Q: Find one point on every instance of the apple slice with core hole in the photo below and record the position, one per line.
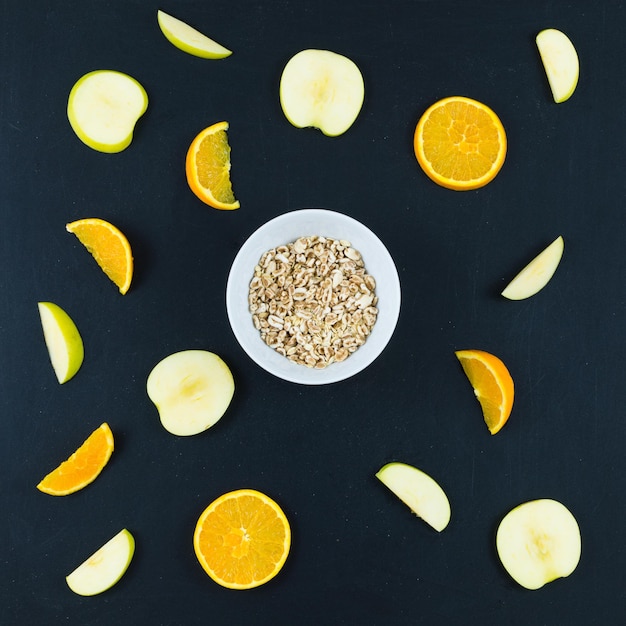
(104, 567)
(191, 390)
(63, 341)
(560, 61)
(189, 40)
(536, 275)
(421, 493)
(322, 89)
(538, 541)
(103, 109)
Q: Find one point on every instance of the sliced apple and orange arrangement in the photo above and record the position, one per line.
(459, 143)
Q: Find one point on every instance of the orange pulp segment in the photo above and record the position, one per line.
(83, 466)
(242, 539)
(492, 385)
(460, 143)
(108, 246)
(208, 167)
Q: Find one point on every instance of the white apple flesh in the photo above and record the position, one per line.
(188, 39)
(421, 493)
(536, 275)
(322, 89)
(103, 109)
(104, 567)
(191, 389)
(560, 61)
(63, 341)
(538, 542)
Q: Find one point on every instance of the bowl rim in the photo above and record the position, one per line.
(241, 272)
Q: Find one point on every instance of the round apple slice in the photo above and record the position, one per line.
(188, 39)
(322, 89)
(104, 567)
(538, 542)
(103, 108)
(421, 493)
(536, 275)
(191, 389)
(560, 61)
(63, 341)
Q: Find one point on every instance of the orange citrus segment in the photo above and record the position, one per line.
(242, 539)
(460, 143)
(83, 466)
(108, 246)
(492, 385)
(208, 167)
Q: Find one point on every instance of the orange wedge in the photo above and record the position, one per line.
(460, 143)
(83, 466)
(242, 539)
(492, 385)
(208, 168)
(108, 246)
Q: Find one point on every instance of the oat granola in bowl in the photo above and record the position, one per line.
(313, 296)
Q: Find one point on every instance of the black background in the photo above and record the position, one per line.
(358, 555)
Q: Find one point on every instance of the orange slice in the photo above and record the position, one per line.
(108, 246)
(242, 539)
(460, 143)
(492, 385)
(83, 466)
(208, 167)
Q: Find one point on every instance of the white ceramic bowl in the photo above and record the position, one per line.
(285, 229)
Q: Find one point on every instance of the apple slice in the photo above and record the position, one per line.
(560, 61)
(104, 567)
(538, 541)
(189, 40)
(421, 493)
(536, 275)
(64, 343)
(103, 109)
(322, 89)
(191, 390)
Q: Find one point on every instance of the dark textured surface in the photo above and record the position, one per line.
(358, 556)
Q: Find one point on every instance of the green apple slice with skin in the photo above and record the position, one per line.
(104, 567)
(560, 61)
(103, 109)
(322, 89)
(536, 275)
(421, 493)
(538, 542)
(189, 40)
(63, 341)
(191, 389)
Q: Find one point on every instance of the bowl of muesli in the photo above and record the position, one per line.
(313, 296)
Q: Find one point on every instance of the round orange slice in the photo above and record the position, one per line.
(492, 385)
(242, 539)
(460, 143)
(83, 467)
(208, 167)
(108, 246)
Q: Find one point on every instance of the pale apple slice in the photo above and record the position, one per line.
(103, 109)
(538, 542)
(322, 89)
(536, 275)
(421, 493)
(189, 40)
(63, 341)
(191, 390)
(104, 567)
(560, 61)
